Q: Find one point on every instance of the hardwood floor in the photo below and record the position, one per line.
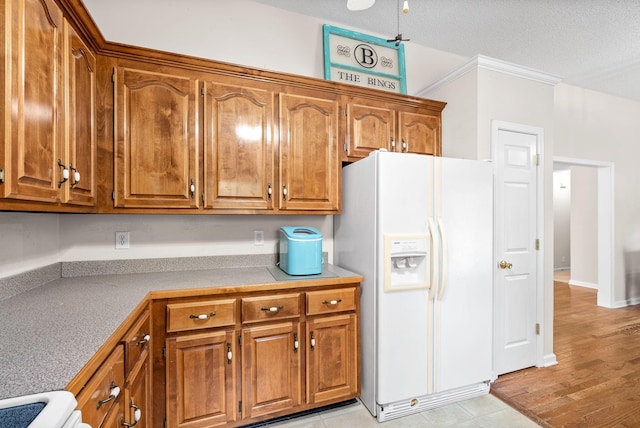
(596, 382)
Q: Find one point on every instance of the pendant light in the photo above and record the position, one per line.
(359, 4)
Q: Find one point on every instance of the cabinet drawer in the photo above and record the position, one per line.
(197, 315)
(136, 339)
(326, 301)
(101, 393)
(282, 306)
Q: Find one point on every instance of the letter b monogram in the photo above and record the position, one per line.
(366, 56)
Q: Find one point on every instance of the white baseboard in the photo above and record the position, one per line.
(583, 284)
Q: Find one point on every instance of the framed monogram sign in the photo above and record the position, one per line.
(363, 60)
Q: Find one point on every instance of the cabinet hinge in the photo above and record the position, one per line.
(164, 352)
(537, 160)
(1, 175)
(345, 148)
(113, 196)
(113, 77)
(537, 245)
(538, 329)
(239, 340)
(202, 90)
(240, 407)
(165, 422)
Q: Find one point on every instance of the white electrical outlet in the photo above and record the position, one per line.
(258, 237)
(122, 240)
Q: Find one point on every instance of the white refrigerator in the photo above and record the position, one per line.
(420, 231)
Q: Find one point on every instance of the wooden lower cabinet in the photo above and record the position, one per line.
(332, 358)
(201, 379)
(272, 370)
(241, 358)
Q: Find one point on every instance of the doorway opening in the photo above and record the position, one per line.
(603, 182)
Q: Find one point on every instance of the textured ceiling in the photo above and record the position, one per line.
(593, 44)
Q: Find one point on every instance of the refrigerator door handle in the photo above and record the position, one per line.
(435, 274)
(443, 264)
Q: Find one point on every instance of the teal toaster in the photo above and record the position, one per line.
(300, 250)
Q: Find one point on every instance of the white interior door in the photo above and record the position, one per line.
(516, 148)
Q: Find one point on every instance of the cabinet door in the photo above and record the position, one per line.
(238, 153)
(114, 418)
(33, 101)
(419, 133)
(156, 149)
(102, 393)
(137, 396)
(332, 358)
(309, 161)
(371, 126)
(271, 375)
(79, 120)
(201, 379)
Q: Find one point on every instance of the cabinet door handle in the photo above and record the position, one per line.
(202, 316)
(272, 308)
(405, 146)
(192, 188)
(393, 145)
(284, 191)
(137, 415)
(331, 302)
(313, 340)
(145, 339)
(296, 344)
(75, 176)
(269, 191)
(65, 173)
(113, 394)
(229, 353)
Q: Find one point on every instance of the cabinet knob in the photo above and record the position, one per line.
(272, 308)
(269, 191)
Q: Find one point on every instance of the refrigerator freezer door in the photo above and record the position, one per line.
(403, 319)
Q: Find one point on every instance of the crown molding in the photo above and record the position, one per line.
(481, 61)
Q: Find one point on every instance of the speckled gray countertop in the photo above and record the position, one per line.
(51, 331)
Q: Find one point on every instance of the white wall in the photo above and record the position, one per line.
(561, 219)
(28, 241)
(92, 237)
(596, 126)
(584, 226)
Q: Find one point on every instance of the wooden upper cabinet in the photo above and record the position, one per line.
(371, 126)
(238, 146)
(309, 162)
(419, 133)
(374, 124)
(156, 139)
(80, 72)
(33, 100)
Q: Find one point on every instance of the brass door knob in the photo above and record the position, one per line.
(505, 265)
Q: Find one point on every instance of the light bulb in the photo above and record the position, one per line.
(405, 6)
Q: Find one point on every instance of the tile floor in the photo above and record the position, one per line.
(486, 411)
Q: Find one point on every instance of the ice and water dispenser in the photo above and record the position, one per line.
(407, 262)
